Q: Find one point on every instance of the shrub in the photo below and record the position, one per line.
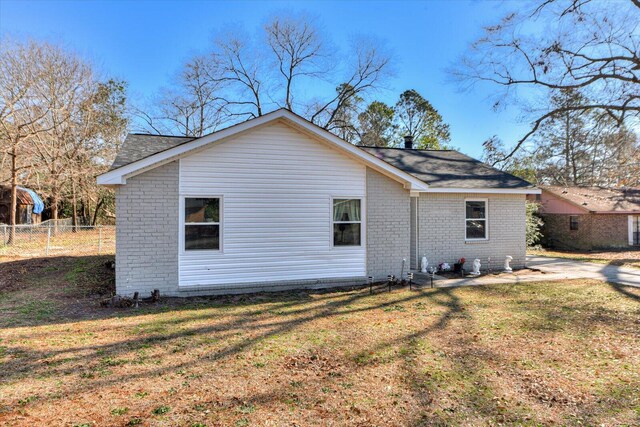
(534, 225)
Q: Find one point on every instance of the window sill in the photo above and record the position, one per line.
(475, 241)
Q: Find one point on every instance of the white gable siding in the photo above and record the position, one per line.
(276, 185)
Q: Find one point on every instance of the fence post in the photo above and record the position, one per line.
(46, 251)
(99, 239)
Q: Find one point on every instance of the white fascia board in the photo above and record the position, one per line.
(484, 190)
(119, 176)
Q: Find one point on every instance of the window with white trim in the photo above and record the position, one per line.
(347, 222)
(201, 223)
(574, 222)
(476, 220)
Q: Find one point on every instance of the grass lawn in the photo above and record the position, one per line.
(620, 258)
(531, 354)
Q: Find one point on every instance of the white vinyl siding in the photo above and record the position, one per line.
(277, 185)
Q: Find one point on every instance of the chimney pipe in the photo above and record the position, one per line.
(408, 142)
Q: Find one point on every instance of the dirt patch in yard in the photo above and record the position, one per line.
(562, 353)
(47, 289)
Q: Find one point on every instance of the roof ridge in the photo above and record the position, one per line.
(161, 135)
(407, 149)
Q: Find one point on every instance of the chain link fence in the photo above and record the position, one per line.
(57, 238)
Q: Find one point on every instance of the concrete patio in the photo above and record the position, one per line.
(552, 269)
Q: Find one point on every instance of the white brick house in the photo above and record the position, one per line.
(277, 202)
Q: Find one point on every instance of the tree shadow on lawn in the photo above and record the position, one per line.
(631, 292)
(467, 362)
(241, 323)
(32, 363)
(58, 290)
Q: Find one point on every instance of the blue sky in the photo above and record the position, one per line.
(145, 42)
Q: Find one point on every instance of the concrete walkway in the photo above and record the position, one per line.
(571, 269)
(554, 269)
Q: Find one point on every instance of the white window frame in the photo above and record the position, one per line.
(577, 217)
(632, 219)
(485, 219)
(361, 222)
(182, 223)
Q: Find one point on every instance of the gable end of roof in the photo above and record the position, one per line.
(118, 175)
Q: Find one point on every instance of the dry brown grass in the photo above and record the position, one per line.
(33, 242)
(534, 354)
(619, 258)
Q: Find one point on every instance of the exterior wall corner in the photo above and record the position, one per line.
(147, 232)
(388, 226)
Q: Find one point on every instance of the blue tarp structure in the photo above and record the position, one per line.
(38, 204)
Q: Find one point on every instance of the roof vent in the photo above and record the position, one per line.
(408, 142)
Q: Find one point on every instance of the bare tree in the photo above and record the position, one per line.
(195, 106)
(241, 68)
(69, 86)
(21, 110)
(99, 130)
(366, 72)
(575, 148)
(298, 51)
(238, 68)
(561, 45)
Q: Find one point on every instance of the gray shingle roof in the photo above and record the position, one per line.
(438, 168)
(138, 146)
(447, 169)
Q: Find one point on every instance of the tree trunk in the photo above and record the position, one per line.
(95, 213)
(74, 207)
(14, 196)
(54, 211)
(84, 211)
(567, 154)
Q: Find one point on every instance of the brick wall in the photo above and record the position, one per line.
(414, 263)
(442, 229)
(595, 231)
(147, 232)
(387, 226)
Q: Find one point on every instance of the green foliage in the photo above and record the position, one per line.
(343, 123)
(534, 224)
(161, 410)
(418, 118)
(522, 165)
(381, 125)
(376, 125)
(119, 411)
(110, 103)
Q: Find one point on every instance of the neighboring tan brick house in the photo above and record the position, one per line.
(586, 218)
(277, 202)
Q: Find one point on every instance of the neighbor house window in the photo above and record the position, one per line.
(574, 222)
(347, 222)
(476, 220)
(201, 223)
